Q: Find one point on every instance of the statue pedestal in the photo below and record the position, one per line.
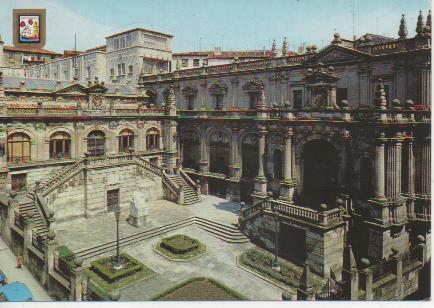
(138, 210)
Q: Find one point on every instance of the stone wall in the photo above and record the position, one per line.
(380, 242)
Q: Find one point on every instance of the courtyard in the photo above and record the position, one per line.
(218, 263)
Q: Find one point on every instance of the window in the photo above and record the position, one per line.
(112, 200)
(184, 63)
(18, 148)
(123, 68)
(152, 139)
(122, 42)
(218, 101)
(19, 182)
(341, 94)
(119, 69)
(88, 71)
(112, 72)
(96, 143)
(190, 101)
(60, 145)
(298, 99)
(116, 43)
(205, 62)
(126, 140)
(130, 70)
(253, 100)
(195, 62)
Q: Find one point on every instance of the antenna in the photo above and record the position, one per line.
(353, 21)
(75, 56)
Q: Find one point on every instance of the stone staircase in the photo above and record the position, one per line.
(25, 205)
(190, 196)
(227, 233)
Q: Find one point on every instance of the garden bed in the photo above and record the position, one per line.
(260, 262)
(199, 289)
(180, 248)
(102, 274)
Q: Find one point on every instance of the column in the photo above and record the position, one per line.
(287, 159)
(426, 86)
(235, 154)
(426, 166)
(343, 171)
(262, 134)
(379, 169)
(203, 162)
(410, 168)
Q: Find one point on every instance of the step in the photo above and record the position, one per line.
(234, 235)
(221, 225)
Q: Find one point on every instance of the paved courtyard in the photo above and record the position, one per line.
(8, 263)
(218, 263)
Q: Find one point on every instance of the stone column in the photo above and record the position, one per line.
(203, 162)
(50, 248)
(379, 168)
(367, 275)
(410, 178)
(27, 237)
(426, 86)
(343, 170)
(288, 184)
(425, 166)
(394, 163)
(397, 260)
(261, 181)
(350, 275)
(76, 281)
(235, 154)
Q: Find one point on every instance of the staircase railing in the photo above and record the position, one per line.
(186, 179)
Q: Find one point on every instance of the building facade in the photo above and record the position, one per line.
(123, 59)
(345, 127)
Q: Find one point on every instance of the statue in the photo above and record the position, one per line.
(138, 209)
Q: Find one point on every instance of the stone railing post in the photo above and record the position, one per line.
(180, 199)
(422, 249)
(366, 276)
(198, 190)
(397, 270)
(27, 236)
(12, 208)
(49, 259)
(76, 281)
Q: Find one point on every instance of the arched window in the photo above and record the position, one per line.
(152, 139)
(219, 147)
(60, 145)
(18, 148)
(96, 143)
(278, 164)
(126, 140)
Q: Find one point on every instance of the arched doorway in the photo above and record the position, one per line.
(190, 150)
(277, 164)
(320, 174)
(219, 147)
(96, 143)
(249, 159)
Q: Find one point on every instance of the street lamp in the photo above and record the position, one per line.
(118, 263)
(275, 266)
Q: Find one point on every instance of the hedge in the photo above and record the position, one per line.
(101, 268)
(179, 244)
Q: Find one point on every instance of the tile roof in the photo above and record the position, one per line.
(30, 50)
(46, 85)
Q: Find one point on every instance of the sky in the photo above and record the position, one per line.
(205, 24)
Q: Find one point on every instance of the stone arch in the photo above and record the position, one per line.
(319, 173)
(219, 144)
(59, 129)
(190, 148)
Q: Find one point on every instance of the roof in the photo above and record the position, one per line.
(231, 54)
(47, 85)
(16, 292)
(97, 48)
(31, 50)
(140, 29)
(373, 39)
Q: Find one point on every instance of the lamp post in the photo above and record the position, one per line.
(118, 263)
(275, 266)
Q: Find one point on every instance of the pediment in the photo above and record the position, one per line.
(335, 53)
(321, 77)
(218, 88)
(189, 89)
(97, 88)
(253, 85)
(72, 89)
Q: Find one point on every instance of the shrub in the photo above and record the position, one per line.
(179, 244)
(104, 267)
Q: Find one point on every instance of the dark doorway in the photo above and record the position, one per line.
(246, 190)
(249, 156)
(292, 244)
(320, 175)
(219, 150)
(217, 187)
(112, 200)
(278, 164)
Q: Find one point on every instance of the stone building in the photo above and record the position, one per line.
(125, 56)
(345, 128)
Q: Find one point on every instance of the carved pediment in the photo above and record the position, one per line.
(218, 88)
(253, 86)
(75, 88)
(189, 90)
(97, 88)
(335, 53)
(321, 77)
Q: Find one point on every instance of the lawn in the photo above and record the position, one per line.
(199, 289)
